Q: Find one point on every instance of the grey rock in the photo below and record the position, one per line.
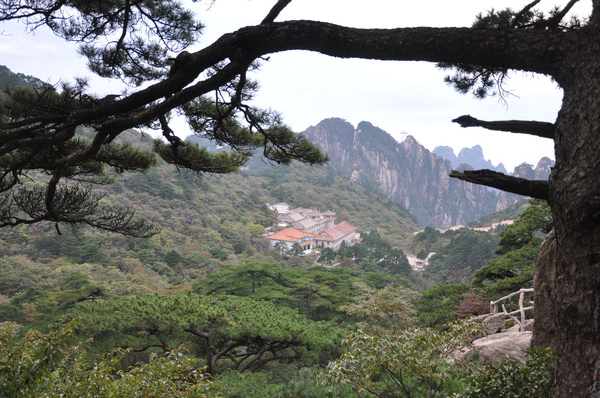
(495, 347)
(544, 335)
(495, 323)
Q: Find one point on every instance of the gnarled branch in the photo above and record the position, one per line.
(536, 189)
(540, 129)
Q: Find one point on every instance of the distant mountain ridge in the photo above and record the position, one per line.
(17, 80)
(471, 156)
(474, 157)
(410, 174)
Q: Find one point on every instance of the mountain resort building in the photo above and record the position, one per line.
(334, 236)
(292, 235)
(311, 229)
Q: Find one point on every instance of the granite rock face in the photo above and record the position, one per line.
(405, 171)
(495, 347)
(543, 282)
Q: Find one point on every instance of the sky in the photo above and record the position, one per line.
(398, 97)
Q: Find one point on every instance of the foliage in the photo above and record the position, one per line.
(427, 240)
(472, 304)
(509, 379)
(519, 246)
(439, 304)
(317, 293)
(385, 310)
(537, 218)
(457, 261)
(375, 254)
(416, 362)
(25, 363)
(233, 384)
(302, 384)
(327, 255)
(50, 365)
(226, 331)
(72, 246)
(306, 384)
(422, 254)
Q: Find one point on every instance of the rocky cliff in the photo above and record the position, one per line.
(471, 156)
(406, 172)
(525, 170)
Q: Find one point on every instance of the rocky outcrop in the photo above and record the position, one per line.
(406, 172)
(495, 347)
(543, 281)
(494, 323)
(525, 170)
(498, 342)
(543, 169)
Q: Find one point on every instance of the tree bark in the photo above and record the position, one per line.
(574, 193)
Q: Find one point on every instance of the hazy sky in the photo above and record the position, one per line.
(399, 97)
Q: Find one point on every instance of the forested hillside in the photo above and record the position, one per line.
(206, 221)
(206, 307)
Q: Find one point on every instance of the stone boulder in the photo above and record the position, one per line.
(495, 347)
(494, 323)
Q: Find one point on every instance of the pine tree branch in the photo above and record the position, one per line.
(277, 8)
(517, 19)
(540, 129)
(554, 22)
(533, 188)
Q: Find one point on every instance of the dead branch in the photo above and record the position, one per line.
(533, 188)
(539, 129)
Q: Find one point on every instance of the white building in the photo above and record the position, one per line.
(334, 236)
(292, 235)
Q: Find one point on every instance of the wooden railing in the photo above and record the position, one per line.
(523, 322)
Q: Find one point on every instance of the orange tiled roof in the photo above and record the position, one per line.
(290, 234)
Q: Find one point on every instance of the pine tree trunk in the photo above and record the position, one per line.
(575, 203)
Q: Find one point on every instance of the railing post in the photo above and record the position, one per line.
(522, 310)
(493, 307)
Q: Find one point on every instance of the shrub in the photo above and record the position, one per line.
(509, 379)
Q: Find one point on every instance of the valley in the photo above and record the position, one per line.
(257, 314)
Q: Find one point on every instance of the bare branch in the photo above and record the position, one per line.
(277, 8)
(554, 22)
(536, 189)
(517, 19)
(540, 129)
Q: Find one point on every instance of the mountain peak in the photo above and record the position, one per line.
(406, 172)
